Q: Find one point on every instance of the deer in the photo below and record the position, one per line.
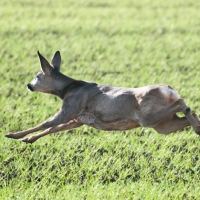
(106, 107)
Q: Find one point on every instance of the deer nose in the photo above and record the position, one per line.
(29, 87)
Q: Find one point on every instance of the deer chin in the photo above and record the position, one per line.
(30, 88)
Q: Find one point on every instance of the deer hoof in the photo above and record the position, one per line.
(11, 135)
(8, 135)
(28, 140)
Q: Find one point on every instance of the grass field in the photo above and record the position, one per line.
(123, 43)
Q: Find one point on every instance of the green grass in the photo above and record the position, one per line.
(123, 43)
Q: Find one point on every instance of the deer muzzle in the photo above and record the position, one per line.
(29, 86)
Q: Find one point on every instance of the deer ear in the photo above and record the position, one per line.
(45, 66)
(56, 61)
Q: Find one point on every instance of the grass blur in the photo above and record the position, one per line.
(123, 43)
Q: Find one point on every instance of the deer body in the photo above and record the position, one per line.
(106, 107)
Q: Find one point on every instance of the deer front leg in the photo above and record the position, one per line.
(57, 119)
(70, 125)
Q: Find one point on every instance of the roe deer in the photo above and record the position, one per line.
(106, 107)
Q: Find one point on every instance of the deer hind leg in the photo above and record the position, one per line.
(192, 118)
(172, 125)
(194, 121)
(162, 115)
(70, 125)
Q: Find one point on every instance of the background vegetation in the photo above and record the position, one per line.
(123, 43)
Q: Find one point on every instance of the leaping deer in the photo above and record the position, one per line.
(106, 107)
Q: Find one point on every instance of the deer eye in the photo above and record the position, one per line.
(37, 77)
